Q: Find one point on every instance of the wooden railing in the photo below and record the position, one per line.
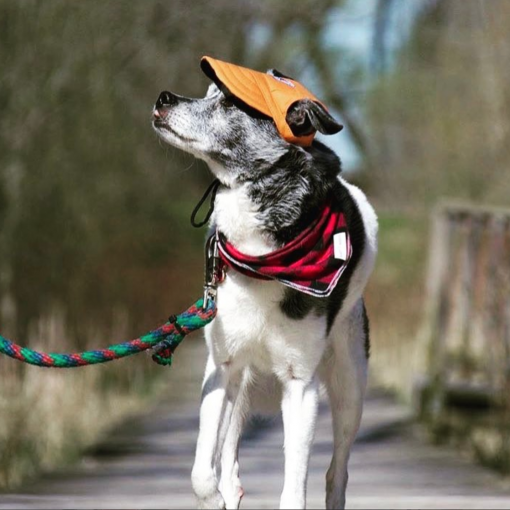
(467, 320)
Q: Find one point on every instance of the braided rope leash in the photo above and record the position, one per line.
(163, 340)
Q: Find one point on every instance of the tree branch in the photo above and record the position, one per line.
(332, 93)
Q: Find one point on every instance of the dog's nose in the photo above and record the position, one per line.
(166, 99)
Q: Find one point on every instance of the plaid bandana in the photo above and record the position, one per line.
(312, 263)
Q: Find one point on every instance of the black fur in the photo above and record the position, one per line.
(297, 305)
(290, 194)
(288, 183)
(357, 234)
(306, 117)
(366, 331)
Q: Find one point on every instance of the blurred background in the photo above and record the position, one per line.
(95, 241)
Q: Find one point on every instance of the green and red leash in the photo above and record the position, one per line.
(163, 340)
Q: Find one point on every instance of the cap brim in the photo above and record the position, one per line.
(241, 83)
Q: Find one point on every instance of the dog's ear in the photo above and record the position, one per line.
(306, 116)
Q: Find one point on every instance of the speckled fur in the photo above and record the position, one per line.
(270, 345)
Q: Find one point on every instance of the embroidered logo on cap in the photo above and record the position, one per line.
(284, 80)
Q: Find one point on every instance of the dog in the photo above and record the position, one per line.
(271, 345)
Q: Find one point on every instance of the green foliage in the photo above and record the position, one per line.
(395, 301)
(95, 243)
(439, 118)
(93, 195)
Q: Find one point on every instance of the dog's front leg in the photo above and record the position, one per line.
(230, 484)
(299, 410)
(218, 396)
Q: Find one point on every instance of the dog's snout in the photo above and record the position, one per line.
(166, 99)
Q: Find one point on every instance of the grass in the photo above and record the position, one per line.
(395, 302)
(49, 417)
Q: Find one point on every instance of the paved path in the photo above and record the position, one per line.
(146, 463)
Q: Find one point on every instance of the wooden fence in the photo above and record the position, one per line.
(467, 325)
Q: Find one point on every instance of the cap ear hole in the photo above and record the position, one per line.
(298, 120)
(305, 116)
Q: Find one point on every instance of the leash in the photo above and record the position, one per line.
(313, 273)
(163, 340)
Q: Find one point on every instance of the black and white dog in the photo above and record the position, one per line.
(271, 345)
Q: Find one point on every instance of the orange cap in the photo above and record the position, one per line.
(268, 94)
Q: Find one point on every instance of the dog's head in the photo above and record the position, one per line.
(237, 142)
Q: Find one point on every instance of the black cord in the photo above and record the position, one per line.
(211, 190)
(173, 320)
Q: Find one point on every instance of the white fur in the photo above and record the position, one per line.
(252, 344)
(258, 357)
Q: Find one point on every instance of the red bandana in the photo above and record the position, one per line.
(312, 263)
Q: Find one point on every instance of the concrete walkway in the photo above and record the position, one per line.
(146, 463)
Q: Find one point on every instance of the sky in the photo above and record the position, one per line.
(350, 30)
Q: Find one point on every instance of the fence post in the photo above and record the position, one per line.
(437, 305)
(468, 316)
(505, 394)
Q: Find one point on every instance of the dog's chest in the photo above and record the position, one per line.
(251, 326)
(236, 216)
(252, 329)
(248, 310)
(246, 306)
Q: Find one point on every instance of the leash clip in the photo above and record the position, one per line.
(214, 270)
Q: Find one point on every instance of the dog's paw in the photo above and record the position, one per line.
(335, 491)
(205, 486)
(214, 501)
(233, 496)
(292, 502)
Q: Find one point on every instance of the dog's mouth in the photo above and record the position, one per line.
(162, 125)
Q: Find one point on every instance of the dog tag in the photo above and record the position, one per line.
(340, 245)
